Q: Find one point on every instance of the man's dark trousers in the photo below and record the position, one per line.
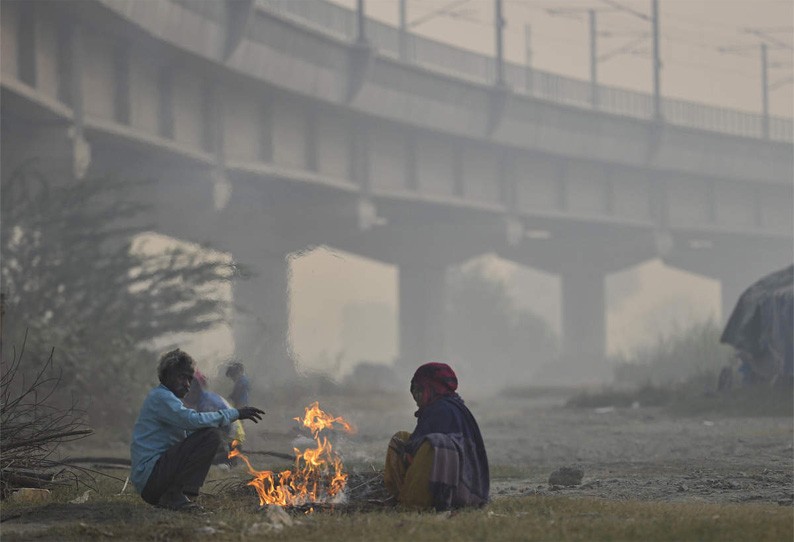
(184, 466)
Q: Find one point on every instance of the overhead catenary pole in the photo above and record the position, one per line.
(657, 62)
(403, 30)
(499, 23)
(593, 60)
(362, 38)
(529, 79)
(764, 92)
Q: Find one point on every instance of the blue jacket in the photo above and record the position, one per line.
(163, 422)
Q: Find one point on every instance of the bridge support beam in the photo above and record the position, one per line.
(737, 264)
(584, 318)
(422, 286)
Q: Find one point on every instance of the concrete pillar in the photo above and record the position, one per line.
(422, 304)
(583, 317)
(260, 321)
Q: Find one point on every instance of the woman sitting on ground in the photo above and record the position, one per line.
(442, 464)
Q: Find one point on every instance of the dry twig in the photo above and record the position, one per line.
(33, 426)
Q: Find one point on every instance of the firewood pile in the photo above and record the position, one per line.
(364, 492)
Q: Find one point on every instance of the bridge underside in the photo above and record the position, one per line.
(339, 147)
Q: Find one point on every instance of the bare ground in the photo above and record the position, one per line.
(626, 453)
(639, 453)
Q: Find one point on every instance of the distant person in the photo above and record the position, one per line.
(443, 463)
(168, 466)
(242, 386)
(200, 399)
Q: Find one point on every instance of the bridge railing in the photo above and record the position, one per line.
(342, 22)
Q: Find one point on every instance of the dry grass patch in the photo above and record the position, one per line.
(236, 517)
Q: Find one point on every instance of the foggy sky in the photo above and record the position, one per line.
(691, 31)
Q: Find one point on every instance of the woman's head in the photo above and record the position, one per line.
(431, 381)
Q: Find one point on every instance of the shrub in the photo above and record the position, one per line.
(692, 357)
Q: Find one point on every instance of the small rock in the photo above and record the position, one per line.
(81, 499)
(206, 530)
(683, 487)
(276, 516)
(566, 476)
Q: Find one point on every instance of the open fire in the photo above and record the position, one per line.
(317, 476)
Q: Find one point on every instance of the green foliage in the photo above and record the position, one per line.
(71, 278)
(488, 335)
(692, 356)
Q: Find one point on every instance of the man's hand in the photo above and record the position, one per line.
(251, 413)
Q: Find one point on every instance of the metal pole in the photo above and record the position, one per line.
(657, 62)
(593, 60)
(764, 92)
(529, 79)
(500, 80)
(403, 31)
(361, 36)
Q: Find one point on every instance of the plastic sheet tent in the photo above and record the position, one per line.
(761, 327)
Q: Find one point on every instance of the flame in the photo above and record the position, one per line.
(317, 475)
(317, 420)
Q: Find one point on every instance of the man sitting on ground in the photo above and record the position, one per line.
(442, 464)
(168, 466)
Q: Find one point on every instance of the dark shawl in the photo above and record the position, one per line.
(460, 474)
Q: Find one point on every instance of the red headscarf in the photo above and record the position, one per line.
(201, 379)
(435, 380)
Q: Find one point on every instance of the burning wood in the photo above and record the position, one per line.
(316, 478)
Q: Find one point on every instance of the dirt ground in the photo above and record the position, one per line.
(626, 453)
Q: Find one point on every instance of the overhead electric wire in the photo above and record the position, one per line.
(620, 7)
(675, 32)
(759, 32)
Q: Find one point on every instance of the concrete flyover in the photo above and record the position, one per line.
(268, 134)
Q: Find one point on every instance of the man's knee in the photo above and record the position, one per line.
(209, 436)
